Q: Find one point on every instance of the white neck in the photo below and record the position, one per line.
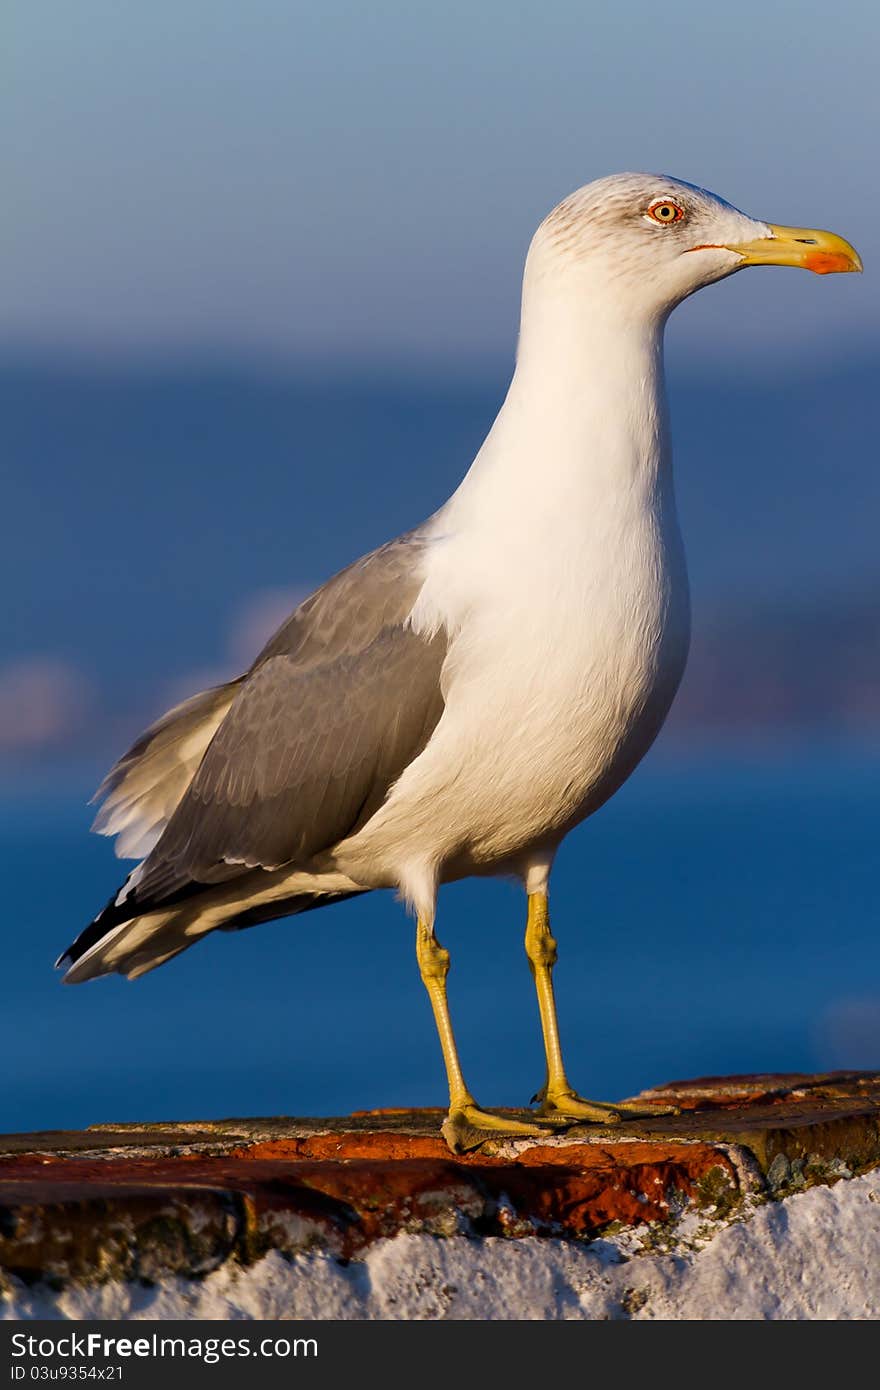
(585, 416)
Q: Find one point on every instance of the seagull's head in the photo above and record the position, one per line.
(653, 240)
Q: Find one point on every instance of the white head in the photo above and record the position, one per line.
(638, 244)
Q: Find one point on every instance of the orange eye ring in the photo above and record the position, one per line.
(665, 212)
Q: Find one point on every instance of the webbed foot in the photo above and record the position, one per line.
(466, 1126)
(568, 1105)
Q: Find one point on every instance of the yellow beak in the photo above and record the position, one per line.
(822, 252)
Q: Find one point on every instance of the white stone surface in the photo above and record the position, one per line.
(815, 1255)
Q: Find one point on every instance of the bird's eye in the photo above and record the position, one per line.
(665, 212)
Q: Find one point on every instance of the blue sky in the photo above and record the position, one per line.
(341, 182)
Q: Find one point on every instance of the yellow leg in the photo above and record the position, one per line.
(559, 1100)
(466, 1124)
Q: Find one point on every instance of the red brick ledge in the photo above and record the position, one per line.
(144, 1202)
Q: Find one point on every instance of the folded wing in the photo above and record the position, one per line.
(342, 698)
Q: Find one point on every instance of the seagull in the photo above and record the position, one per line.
(455, 702)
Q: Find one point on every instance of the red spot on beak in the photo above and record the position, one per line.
(826, 262)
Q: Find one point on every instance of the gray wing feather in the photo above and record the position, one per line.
(142, 789)
(337, 704)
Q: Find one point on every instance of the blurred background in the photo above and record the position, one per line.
(261, 279)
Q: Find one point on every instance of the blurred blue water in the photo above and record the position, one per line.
(717, 916)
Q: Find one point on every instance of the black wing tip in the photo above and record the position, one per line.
(116, 912)
(110, 916)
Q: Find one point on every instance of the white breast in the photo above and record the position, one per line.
(559, 676)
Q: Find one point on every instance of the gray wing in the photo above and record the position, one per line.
(337, 704)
